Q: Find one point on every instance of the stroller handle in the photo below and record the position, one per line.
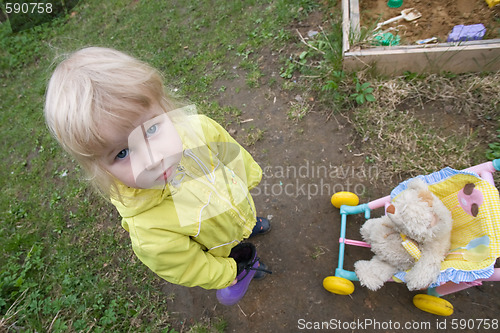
(496, 164)
(486, 170)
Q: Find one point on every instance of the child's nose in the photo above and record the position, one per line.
(154, 162)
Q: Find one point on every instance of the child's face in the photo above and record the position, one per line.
(147, 156)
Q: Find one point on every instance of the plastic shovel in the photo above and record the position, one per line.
(408, 14)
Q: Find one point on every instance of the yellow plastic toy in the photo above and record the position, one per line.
(344, 198)
(338, 285)
(433, 304)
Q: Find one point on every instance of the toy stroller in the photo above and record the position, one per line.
(475, 237)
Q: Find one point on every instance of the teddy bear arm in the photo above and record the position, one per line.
(425, 271)
(374, 273)
(376, 227)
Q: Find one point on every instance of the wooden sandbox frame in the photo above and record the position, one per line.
(462, 57)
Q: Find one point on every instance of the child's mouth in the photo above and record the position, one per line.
(164, 176)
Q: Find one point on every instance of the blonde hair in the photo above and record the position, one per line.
(94, 87)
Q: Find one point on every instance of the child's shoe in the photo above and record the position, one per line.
(261, 272)
(263, 226)
(246, 258)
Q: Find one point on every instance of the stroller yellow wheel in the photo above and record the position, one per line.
(433, 304)
(344, 198)
(338, 285)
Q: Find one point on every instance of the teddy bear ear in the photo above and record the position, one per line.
(417, 184)
(426, 196)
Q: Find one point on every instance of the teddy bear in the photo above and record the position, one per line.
(413, 236)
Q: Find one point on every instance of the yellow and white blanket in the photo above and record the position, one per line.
(475, 238)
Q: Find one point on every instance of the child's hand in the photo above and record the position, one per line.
(234, 282)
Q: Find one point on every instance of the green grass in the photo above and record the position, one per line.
(66, 265)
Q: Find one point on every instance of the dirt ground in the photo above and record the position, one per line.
(437, 20)
(305, 162)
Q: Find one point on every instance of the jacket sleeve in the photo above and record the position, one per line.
(231, 153)
(178, 259)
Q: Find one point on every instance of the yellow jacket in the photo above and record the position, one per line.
(185, 232)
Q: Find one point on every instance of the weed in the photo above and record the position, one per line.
(253, 136)
(318, 251)
(332, 88)
(288, 69)
(253, 77)
(493, 151)
(363, 93)
(298, 110)
(208, 325)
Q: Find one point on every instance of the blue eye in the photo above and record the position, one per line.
(122, 154)
(152, 130)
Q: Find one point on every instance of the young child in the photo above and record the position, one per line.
(179, 180)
